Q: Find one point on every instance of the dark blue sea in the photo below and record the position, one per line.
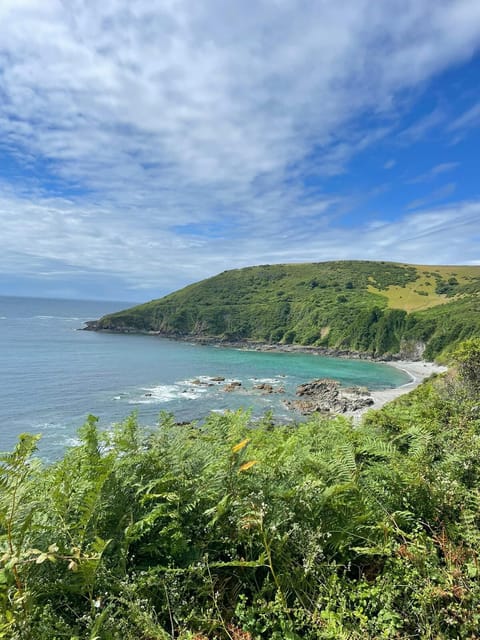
(52, 375)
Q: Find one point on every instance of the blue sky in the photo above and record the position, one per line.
(145, 145)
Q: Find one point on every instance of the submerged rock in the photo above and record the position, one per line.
(232, 386)
(265, 387)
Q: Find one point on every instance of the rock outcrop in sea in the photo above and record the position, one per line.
(327, 396)
(232, 386)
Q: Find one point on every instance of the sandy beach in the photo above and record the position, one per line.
(418, 371)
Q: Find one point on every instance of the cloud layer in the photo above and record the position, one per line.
(162, 142)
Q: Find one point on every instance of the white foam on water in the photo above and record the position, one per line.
(155, 395)
(191, 394)
(160, 394)
(191, 388)
(208, 380)
(191, 382)
(71, 318)
(265, 380)
(205, 384)
(50, 427)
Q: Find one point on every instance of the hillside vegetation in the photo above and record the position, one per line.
(233, 530)
(372, 307)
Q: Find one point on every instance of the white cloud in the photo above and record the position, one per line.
(437, 195)
(164, 115)
(470, 118)
(99, 241)
(434, 172)
(422, 127)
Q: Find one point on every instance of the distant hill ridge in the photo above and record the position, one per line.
(375, 308)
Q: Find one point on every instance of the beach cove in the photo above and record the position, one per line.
(54, 375)
(416, 370)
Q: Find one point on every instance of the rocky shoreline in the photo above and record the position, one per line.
(250, 345)
(325, 396)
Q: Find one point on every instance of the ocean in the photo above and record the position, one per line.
(52, 375)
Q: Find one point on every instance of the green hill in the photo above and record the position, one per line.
(370, 307)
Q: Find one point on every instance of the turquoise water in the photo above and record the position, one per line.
(52, 375)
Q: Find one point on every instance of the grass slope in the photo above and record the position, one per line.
(373, 307)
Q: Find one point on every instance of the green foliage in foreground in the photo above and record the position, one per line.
(340, 305)
(251, 531)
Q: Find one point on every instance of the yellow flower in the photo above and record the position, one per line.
(241, 445)
(247, 465)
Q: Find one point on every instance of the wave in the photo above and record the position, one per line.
(207, 381)
(76, 318)
(167, 392)
(191, 389)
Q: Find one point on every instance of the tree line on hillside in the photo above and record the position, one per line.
(337, 305)
(374, 330)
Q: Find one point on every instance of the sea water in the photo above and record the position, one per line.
(52, 374)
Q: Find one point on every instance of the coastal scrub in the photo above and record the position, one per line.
(240, 529)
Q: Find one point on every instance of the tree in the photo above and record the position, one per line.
(467, 358)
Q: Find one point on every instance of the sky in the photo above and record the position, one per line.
(148, 144)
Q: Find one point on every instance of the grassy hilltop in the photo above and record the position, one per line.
(371, 307)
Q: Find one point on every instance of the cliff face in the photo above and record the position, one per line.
(369, 307)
